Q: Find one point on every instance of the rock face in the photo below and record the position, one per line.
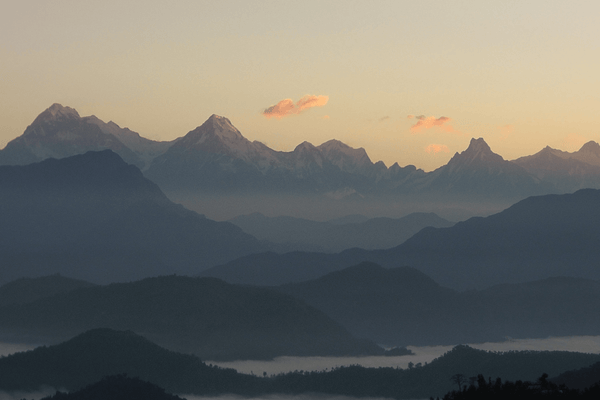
(95, 217)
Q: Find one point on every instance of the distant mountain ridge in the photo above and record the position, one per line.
(567, 171)
(536, 238)
(215, 158)
(60, 132)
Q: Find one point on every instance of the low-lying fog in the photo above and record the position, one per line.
(584, 344)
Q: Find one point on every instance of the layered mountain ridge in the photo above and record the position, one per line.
(97, 218)
(215, 159)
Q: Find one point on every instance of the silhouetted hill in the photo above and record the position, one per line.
(92, 355)
(96, 218)
(580, 378)
(539, 237)
(536, 238)
(402, 306)
(398, 306)
(208, 317)
(27, 290)
(375, 233)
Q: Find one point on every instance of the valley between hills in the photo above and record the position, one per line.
(124, 255)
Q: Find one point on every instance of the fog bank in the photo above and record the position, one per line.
(583, 344)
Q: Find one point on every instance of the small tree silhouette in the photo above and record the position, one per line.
(459, 379)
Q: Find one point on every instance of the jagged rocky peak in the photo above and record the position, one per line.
(57, 112)
(221, 126)
(334, 147)
(304, 147)
(478, 150)
(590, 147)
(216, 130)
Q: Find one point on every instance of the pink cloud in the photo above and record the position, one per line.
(437, 148)
(424, 123)
(287, 107)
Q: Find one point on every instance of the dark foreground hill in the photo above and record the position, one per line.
(402, 306)
(204, 316)
(96, 218)
(581, 378)
(536, 238)
(84, 359)
(92, 355)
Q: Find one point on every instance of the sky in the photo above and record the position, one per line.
(409, 81)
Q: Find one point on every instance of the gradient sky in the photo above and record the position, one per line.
(410, 81)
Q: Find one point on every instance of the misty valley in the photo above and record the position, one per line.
(211, 265)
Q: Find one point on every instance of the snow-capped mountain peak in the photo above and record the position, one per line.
(57, 112)
(478, 152)
(344, 156)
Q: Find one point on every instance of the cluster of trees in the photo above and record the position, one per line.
(497, 390)
(122, 387)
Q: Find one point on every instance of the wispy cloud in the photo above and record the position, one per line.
(384, 118)
(424, 123)
(437, 148)
(287, 107)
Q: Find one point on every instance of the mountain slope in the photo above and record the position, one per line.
(215, 157)
(567, 171)
(479, 172)
(60, 132)
(402, 306)
(96, 218)
(536, 238)
(207, 317)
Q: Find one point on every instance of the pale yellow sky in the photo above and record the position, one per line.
(520, 74)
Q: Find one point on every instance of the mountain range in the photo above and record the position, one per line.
(216, 160)
(97, 218)
(203, 316)
(536, 238)
(402, 306)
